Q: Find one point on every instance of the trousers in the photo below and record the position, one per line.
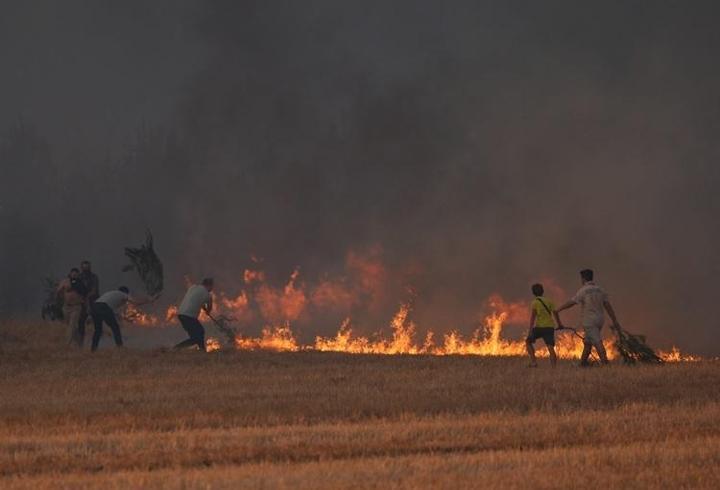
(195, 331)
(102, 313)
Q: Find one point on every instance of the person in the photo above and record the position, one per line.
(593, 301)
(92, 285)
(103, 311)
(197, 297)
(542, 325)
(72, 292)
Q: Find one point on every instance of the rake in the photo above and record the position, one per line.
(221, 323)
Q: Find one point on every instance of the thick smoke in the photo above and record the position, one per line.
(475, 147)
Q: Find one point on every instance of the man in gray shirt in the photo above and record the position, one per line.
(103, 311)
(593, 301)
(197, 298)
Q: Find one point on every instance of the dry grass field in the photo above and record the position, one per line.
(157, 419)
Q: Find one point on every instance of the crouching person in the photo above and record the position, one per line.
(542, 325)
(103, 311)
(197, 297)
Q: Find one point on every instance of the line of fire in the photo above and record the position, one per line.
(279, 307)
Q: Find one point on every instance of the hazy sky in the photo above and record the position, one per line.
(479, 145)
(87, 72)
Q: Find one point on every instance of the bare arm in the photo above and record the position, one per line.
(532, 317)
(209, 305)
(558, 322)
(611, 313)
(60, 293)
(565, 306)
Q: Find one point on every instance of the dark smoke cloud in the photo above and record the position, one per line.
(481, 145)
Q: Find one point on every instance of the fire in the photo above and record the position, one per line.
(212, 344)
(250, 276)
(137, 317)
(171, 313)
(486, 341)
(363, 284)
(402, 342)
(674, 355)
(278, 339)
(286, 304)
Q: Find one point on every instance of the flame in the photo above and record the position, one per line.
(137, 317)
(674, 355)
(363, 284)
(212, 344)
(250, 276)
(284, 305)
(486, 341)
(278, 339)
(171, 313)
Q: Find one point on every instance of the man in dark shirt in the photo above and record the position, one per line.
(92, 286)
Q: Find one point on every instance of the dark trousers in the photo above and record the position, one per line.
(195, 331)
(103, 313)
(84, 314)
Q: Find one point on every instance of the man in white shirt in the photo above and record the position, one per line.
(103, 310)
(593, 301)
(197, 297)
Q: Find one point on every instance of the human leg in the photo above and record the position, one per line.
(198, 334)
(600, 348)
(587, 349)
(111, 320)
(594, 338)
(98, 323)
(531, 352)
(72, 317)
(530, 346)
(82, 322)
(548, 336)
(195, 331)
(553, 355)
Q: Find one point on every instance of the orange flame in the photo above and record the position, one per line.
(278, 339)
(284, 305)
(278, 307)
(486, 341)
(212, 344)
(674, 355)
(137, 317)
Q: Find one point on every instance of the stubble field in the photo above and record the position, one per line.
(157, 419)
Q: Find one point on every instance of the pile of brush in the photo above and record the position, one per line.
(147, 264)
(634, 348)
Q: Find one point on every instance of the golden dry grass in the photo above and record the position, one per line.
(319, 420)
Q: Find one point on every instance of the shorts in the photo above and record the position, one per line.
(593, 335)
(545, 333)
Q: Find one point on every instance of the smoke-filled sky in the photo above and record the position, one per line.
(468, 147)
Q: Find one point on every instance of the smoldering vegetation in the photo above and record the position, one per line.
(479, 146)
